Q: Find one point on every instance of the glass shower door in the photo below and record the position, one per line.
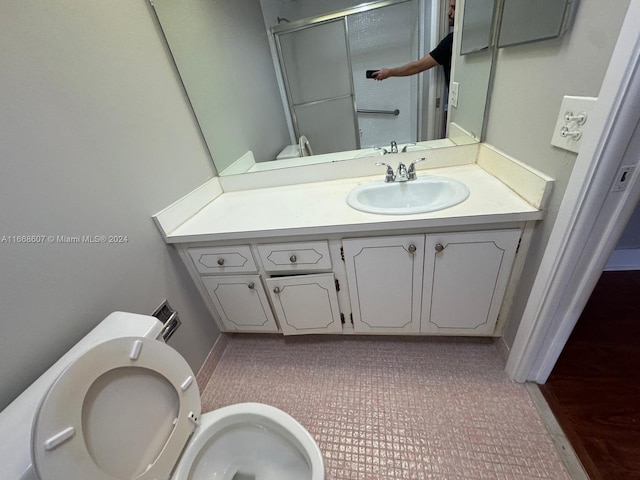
(317, 72)
(388, 36)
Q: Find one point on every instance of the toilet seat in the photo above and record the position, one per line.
(98, 419)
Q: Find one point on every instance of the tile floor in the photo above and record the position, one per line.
(399, 408)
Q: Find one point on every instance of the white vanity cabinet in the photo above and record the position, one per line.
(271, 255)
(301, 289)
(239, 299)
(451, 283)
(466, 275)
(304, 302)
(385, 282)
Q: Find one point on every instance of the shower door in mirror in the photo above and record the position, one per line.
(388, 36)
(323, 63)
(316, 69)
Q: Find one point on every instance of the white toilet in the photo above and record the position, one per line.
(123, 405)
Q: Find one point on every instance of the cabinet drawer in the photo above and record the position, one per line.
(234, 259)
(290, 257)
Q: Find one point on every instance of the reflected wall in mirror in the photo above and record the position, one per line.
(524, 21)
(476, 26)
(240, 88)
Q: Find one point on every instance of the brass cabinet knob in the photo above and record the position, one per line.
(412, 248)
(221, 261)
(439, 247)
(293, 259)
(277, 290)
(251, 286)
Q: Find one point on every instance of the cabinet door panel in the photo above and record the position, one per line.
(385, 282)
(241, 303)
(465, 279)
(306, 304)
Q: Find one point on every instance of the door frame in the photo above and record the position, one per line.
(591, 218)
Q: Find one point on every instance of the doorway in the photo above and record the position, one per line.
(594, 388)
(597, 204)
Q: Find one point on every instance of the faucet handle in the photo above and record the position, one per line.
(404, 149)
(382, 149)
(412, 169)
(389, 177)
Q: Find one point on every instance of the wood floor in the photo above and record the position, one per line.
(594, 389)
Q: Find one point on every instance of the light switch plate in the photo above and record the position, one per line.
(573, 119)
(453, 94)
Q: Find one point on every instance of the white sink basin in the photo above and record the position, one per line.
(425, 194)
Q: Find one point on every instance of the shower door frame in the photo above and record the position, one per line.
(343, 14)
(303, 25)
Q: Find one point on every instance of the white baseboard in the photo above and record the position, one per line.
(628, 259)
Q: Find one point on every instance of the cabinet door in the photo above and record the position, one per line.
(306, 304)
(385, 282)
(241, 303)
(466, 275)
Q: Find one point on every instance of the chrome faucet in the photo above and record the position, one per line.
(402, 174)
(392, 149)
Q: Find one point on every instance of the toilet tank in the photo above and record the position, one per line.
(17, 418)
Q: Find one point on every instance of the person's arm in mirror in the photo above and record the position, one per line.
(441, 55)
(411, 68)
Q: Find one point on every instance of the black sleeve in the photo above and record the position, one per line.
(442, 53)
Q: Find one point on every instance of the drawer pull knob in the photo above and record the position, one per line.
(439, 247)
(277, 290)
(412, 248)
(252, 286)
(221, 261)
(293, 259)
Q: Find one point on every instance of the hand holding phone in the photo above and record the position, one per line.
(369, 73)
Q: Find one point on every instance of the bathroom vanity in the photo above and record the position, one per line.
(295, 258)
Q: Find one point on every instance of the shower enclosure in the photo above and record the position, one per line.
(322, 61)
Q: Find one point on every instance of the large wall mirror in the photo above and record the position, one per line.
(275, 83)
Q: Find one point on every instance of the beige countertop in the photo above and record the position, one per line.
(320, 208)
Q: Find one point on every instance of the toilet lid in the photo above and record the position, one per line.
(123, 410)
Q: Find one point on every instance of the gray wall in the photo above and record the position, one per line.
(530, 81)
(222, 51)
(95, 137)
(631, 236)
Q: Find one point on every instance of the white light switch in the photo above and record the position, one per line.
(453, 94)
(572, 121)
